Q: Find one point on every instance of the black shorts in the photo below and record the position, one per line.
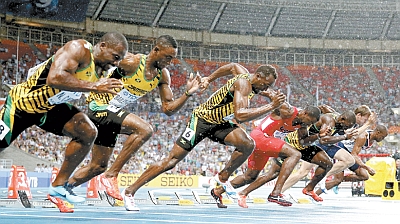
(198, 129)
(308, 153)
(17, 120)
(108, 124)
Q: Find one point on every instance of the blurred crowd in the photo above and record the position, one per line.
(340, 87)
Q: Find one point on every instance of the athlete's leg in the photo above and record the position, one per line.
(139, 132)
(292, 158)
(335, 181)
(83, 133)
(176, 154)
(304, 169)
(359, 174)
(324, 165)
(244, 146)
(272, 173)
(344, 160)
(97, 165)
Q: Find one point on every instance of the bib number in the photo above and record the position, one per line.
(4, 129)
(229, 117)
(188, 134)
(113, 108)
(64, 96)
(123, 98)
(280, 135)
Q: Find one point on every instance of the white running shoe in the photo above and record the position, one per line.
(129, 202)
(229, 190)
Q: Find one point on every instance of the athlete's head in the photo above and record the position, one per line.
(380, 132)
(110, 50)
(264, 78)
(362, 114)
(307, 116)
(164, 51)
(346, 120)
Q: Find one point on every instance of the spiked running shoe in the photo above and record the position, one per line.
(242, 201)
(60, 204)
(279, 200)
(111, 185)
(129, 202)
(335, 189)
(313, 195)
(65, 192)
(229, 190)
(218, 199)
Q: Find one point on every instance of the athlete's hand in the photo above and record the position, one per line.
(107, 85)
(371, 171)
(325, 130)
(193, 84)
(205, 82)
(372, 118)
(277, 99)
(351, 133)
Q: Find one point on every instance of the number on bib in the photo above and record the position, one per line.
(188, 134)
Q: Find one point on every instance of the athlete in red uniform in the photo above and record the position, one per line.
(268, 137)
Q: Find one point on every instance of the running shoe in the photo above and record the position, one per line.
(111, 185)
(129, 202)
(313, 195)
(60, 204)
(229, 190)
(218, 199)
(242, 201)
(65, 192)
(279, 200)
(336, 189)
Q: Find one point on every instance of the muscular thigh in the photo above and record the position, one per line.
(197, 129)
(108, 125)
(55, 119)
(14, 122)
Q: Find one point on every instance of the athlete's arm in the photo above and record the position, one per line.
(326, 109)
(358, 144)
(242, 89)
(371, 121)
(329, 139)
(71, 57)
(229, 69)
(169, 105)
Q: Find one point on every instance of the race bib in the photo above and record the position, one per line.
(32, 70)
(64, 96)
(123, 98)
(229, 117)
(4, 129)
(188, 134)
(280, 135)
(113, 108)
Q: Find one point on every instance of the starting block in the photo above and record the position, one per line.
(173, 198)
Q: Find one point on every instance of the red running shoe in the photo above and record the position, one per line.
(313, 195)
(218, 199)
(279, 200)
(60, 204)
(111, 185)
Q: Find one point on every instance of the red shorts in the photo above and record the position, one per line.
(265, 147)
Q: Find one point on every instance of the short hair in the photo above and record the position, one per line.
(350, 116)
(115, 39)
(167, 40)
(266, 70)
(381, 128)
(313, 111)
(363, 110)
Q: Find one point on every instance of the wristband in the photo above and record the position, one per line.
(187, 94)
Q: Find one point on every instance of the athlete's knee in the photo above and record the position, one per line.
(146, 132)
(350, 161)
(82, 129)
(247, 146)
